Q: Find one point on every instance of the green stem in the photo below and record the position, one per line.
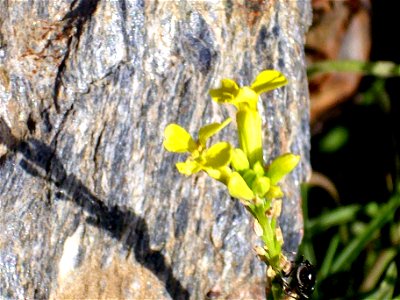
(268, 236)
(380, 68)
(277, 290)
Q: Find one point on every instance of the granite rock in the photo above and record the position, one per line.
(91, 206)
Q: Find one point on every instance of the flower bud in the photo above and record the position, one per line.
(281, 166)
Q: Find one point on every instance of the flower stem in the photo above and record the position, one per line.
(268, 235)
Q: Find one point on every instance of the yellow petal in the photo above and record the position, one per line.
(177, 139)
(226, 93)
(268, 80)
(188, 167)
(220, 174)
(209, 130)
(238, 188)
(246, 98)
(218, 155)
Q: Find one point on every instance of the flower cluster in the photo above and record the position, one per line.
(242, 169)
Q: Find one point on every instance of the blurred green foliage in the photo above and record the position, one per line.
(334, 139)
(354, 242)
(352, 239)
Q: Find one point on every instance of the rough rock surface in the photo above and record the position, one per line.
(91, 205)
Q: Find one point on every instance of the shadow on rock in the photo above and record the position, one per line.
(125, 226)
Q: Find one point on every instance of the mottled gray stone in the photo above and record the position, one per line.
(91, 205)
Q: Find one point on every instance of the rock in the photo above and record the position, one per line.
(91, 205)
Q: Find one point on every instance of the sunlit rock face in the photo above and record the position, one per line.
(91, 206)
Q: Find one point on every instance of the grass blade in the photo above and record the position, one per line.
(330, 254)
(380, 68)
(335, 217)
(386, 288)
(350, 252)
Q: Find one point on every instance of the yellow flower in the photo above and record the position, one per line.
(241, 169)
(213, 160)
(229, 92)
(247, 117)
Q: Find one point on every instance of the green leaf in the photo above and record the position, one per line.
(268, 80)
(238, 188)
(209, 130)
(281, 166)
(218, 155)
(177, 139)
(334, 140)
